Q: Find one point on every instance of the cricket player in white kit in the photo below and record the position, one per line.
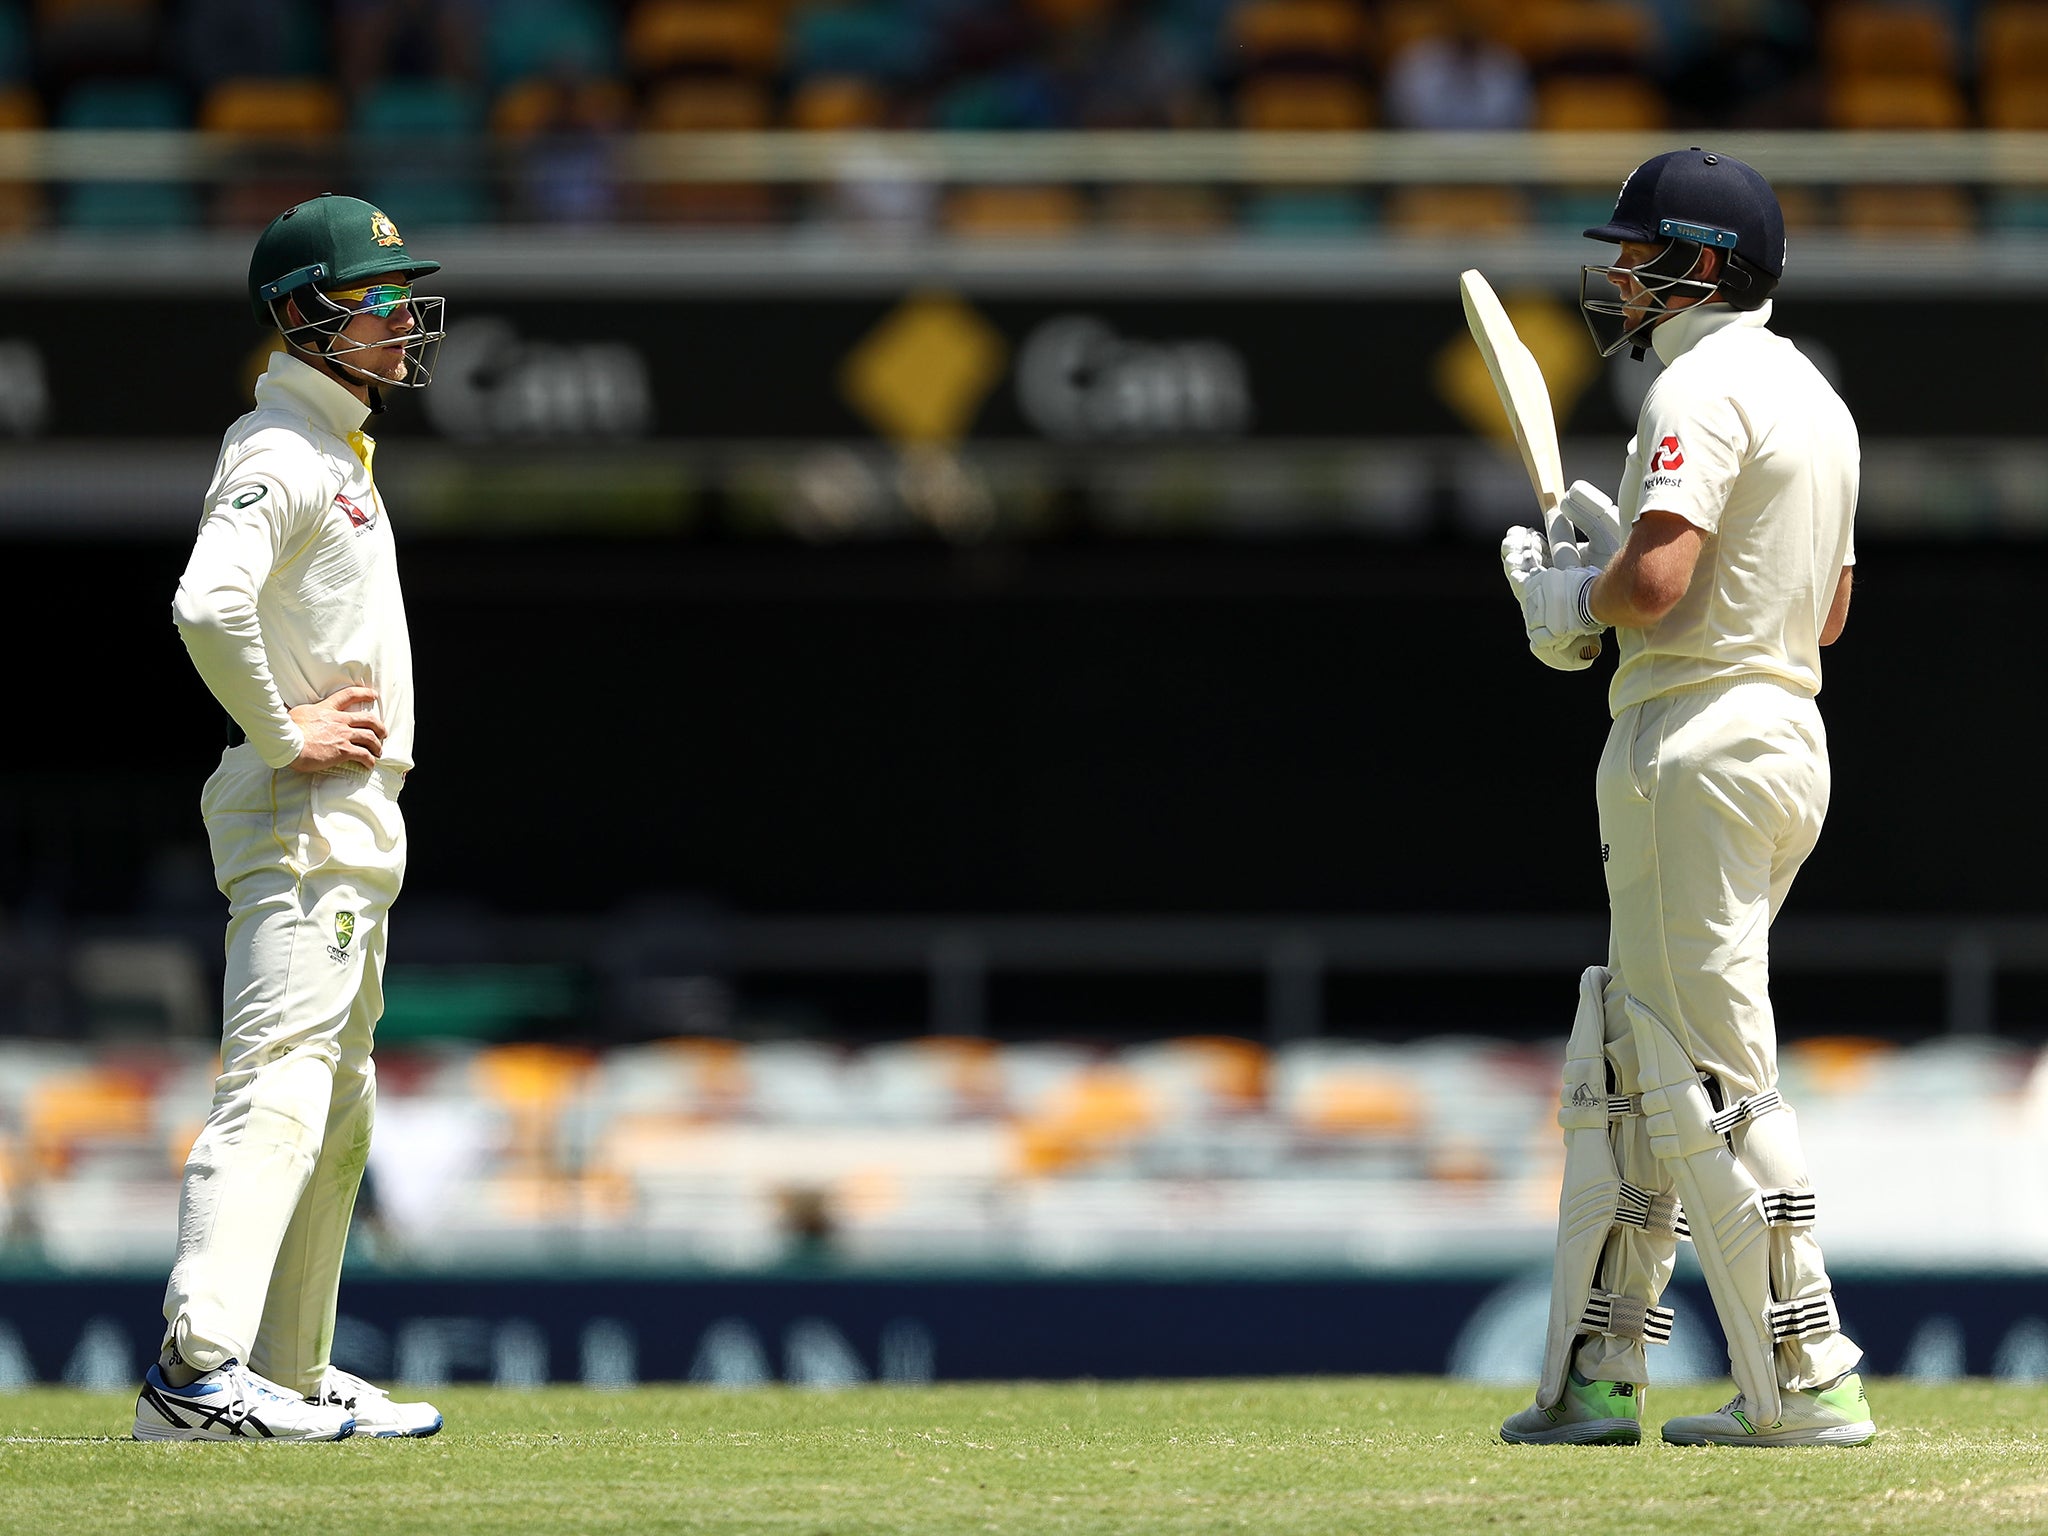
(291, 611)
(1737, 502)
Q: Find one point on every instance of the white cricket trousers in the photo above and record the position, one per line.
(310, 864)
(1710, 800)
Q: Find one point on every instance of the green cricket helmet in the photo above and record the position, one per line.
(326, 246)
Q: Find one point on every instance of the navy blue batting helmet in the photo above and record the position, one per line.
(1689, 200)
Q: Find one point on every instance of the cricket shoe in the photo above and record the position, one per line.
(233, 1403)
(1588, 1413)
(1838, 1416)
(375, 1413)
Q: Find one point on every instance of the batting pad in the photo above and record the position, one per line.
(1617, 1223)
(1759, 1259)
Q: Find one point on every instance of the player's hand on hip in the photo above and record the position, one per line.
(336, 731)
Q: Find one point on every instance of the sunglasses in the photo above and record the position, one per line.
(379, 299)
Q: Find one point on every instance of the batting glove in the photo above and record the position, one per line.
(1596, 516)
(1554, 601)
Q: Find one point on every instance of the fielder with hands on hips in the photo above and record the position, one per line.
(1724, 569)
(291, 611)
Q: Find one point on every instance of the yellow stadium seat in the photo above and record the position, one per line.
(272, 108)
(1163, 210)
(1004, 212)
(1872, 38)
(2012, 44)
(20, 108)
(1897, 102)
(837, 103)
(1402, 23)
(1582, 32)
(1068, 13)
(2017, 103)
(1456, 210)
(706, 106)
(667, 35)
(1581, 103)
(72, 1112)
(530, 107)
(1287, 103)
(1360, 1103)
(1928, 210)
(1336, 32)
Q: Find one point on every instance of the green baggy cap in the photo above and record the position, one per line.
(326, 240)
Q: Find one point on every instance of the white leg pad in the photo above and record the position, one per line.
(1812, 1349)
(1600, 1211)
(1722, 1201)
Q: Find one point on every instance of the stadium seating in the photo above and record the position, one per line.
(665, 37)
(414, 133)
(718, 1151)
(527, 38)
(126, 105)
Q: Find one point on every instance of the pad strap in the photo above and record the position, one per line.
(1621, 1105)
(1745, 1109)
(1622, 1317)
(1638, 1207)
(1802, 1319)
(1789, 1207)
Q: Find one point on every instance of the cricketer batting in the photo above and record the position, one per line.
(1737, 499)
(291, 611)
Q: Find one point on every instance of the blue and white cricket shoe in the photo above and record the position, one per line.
(233, 1403)
(374, 1412)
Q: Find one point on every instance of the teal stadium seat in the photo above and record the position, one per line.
(127, 105)
(876, 41)
(17, 58)
(1306, 212)
(550, 37)
(412, 139)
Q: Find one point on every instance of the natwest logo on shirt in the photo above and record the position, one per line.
(357, 516)
(1669, 455)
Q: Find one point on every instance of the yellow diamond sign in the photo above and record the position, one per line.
(923, 374)
(1562, 349)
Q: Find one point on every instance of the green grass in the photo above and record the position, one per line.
(1336, 1455)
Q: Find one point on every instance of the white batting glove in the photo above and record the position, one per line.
(1596, 516)
(1562, 630)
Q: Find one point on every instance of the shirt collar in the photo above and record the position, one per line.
(293, 384)
(1685, 330)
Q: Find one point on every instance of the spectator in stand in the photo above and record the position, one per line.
(230, 39)
(1753, 65)
(407, 39)
(1459, 78)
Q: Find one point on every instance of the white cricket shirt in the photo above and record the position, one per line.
(292, 589)
(1743, 438)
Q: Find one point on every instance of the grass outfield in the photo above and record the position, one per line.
(1347, 1455)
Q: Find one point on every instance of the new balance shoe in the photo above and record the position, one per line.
(375, 1413)
(1838, 1416)
(1589, 1413)
(233, 1403)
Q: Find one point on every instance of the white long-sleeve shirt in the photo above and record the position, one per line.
(292, 589)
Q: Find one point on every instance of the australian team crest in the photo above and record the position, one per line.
(382, 230)
(344, 932)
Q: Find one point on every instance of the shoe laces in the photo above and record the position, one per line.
(344, 1389)
(247, 1390)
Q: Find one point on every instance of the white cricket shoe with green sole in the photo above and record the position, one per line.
(1837, 1416)
(1589, 1413)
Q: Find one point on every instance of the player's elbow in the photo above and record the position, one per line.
(1652, 593)
(200, 610)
